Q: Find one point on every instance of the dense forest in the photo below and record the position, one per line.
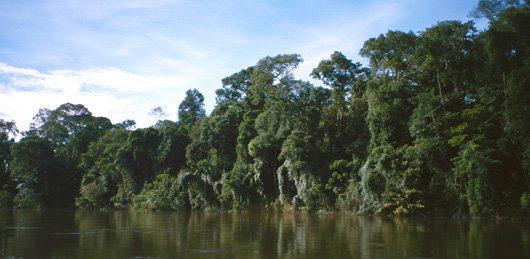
(438, 123)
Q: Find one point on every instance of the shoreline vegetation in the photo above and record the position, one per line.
(438, 123)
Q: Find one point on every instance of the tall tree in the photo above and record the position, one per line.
(390, 54)
(343, 120)
(235, 88)
(508, 51)
(191, 109)
(101, 179)
(159, 114)
(8, 130)
(444, 56)
(137, 163)
(70, 128)
(34, 170)
(492, 8)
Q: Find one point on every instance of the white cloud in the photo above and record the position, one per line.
(111, 92)
(70, 81)
(128, 82)
(6, 69)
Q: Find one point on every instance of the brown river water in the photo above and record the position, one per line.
(139, 234)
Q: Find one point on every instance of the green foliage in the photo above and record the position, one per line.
(126, 124)
(8, 130)
(69, 129)
(390, 55)
(472, 172)
(525, 202)
(6, 200)
(191, 109)
(404, 202)
(33, 170)
(162, 194)
(341, 173)
(476, 120)
(491, 8)
(92, 194)
(100, 182)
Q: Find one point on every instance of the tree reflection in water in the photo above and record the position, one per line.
(133, 234)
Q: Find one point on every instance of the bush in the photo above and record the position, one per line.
(161, 194)
(6, 201)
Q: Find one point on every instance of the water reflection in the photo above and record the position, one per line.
(127, 234)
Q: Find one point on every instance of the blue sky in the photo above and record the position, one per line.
(122, 58)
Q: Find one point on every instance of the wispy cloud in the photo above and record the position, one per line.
(69, 81)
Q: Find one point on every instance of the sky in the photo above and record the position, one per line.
(122, 58)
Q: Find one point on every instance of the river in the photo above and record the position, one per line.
(138, 234)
